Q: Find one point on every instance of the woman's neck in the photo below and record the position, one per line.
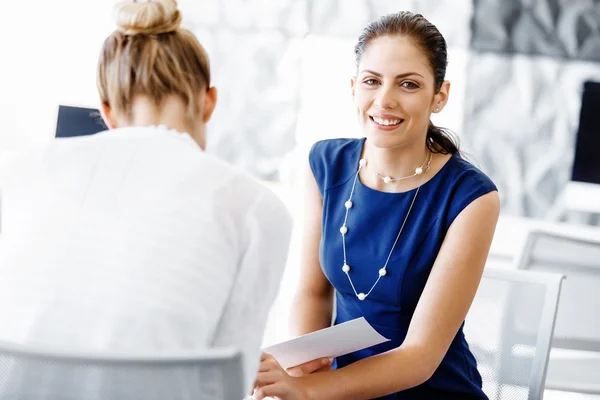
(395, 162)
(172, 113)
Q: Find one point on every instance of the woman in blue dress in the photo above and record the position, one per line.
(398, 229)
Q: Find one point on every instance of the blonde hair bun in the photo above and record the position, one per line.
(147, 17)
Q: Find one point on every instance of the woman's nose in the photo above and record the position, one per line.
(386, 99)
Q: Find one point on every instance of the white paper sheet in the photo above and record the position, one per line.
(334, 341)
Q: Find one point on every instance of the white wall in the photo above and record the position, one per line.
(49, 54)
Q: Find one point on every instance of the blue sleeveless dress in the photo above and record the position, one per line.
(373, 224)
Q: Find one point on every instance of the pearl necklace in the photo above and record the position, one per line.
(418, 171)
(344, 229)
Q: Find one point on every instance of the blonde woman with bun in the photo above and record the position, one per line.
(135, 239)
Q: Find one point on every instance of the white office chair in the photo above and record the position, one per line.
(575, 356)
(509, 329)
(28, 373)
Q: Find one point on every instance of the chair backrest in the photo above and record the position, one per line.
(578, 320)
(509, 330)
(40, 374)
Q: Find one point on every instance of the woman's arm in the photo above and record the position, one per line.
(267, 226)
(441, 310)
(312, 307)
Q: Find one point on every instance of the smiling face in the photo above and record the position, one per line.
(394, 92)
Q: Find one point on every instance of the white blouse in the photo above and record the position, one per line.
(135, 239)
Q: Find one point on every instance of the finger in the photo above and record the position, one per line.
(269, 364)
(279, 389)
(324, 369)
(327, 367)
(267, 378)
(264, 369)
(309, 367)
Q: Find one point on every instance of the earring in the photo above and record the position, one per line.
(437, 109)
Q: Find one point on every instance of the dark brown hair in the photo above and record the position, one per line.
(433, 45)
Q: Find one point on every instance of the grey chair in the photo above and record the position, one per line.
(509, 329)
(28, 373)
(575, 356)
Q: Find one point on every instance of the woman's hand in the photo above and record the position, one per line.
(273, 381)
(311, 367)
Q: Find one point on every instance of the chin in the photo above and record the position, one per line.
(385, 140)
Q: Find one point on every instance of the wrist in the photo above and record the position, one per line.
(303, 382)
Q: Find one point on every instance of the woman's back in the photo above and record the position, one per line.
(135, 239)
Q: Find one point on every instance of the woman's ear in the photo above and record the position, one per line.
(352, 85)
(210, 102)
(107, 115)
(440, 99)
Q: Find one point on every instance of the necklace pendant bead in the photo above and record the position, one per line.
(362, 162)
(346, 268)
(419, 171)
(387, 179)
(348, 204)
(382, 272)
(361, 296)
(344, 230)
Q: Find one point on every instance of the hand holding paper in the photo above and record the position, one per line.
(329, 342)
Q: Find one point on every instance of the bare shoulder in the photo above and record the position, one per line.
(479, 217)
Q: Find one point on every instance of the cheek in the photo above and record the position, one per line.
(362, 100)
(417, 107)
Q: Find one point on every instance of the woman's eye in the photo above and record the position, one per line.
(371, 82)
(409, 85)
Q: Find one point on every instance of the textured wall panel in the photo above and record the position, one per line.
(343, 18)
(289, 16)
(452, 18)
(254, 47)
(521, 116)
(200, 13)
(258, 80)
(286, 15)
(557, 28)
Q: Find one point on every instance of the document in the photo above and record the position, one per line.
(334, 341)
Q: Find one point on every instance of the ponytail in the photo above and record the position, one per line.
(441, 140)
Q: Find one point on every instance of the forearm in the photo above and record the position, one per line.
(310, 313)
(373, 377)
